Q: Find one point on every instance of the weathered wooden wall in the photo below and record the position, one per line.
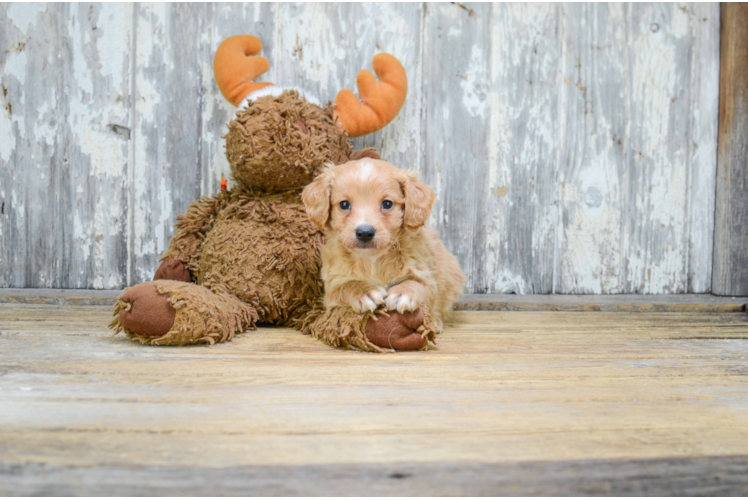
(572, 146)
(730, 270)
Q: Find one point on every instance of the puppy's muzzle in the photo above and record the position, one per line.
(365, 233)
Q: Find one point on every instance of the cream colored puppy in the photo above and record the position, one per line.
(379, 253)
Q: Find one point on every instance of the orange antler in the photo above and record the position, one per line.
(380, 100)
(237, 64)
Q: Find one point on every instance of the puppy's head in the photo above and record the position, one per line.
(367, 203)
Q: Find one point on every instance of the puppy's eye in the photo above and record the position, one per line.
(344, 205)
(387, 204)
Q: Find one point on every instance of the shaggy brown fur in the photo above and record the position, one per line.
(281, 143)
(252, 252)
(201, 316)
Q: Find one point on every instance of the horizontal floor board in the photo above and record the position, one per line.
(703, 476)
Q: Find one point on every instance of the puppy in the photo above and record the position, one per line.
(379, 253)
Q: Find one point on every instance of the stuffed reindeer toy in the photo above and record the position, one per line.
(250, 254)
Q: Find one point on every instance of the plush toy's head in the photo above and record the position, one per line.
(280, 137)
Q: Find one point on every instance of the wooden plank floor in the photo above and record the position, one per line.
(508, 403)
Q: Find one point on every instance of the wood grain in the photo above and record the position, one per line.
(94, 183)
(518, 211)
(455, 158)
(31, 159)
(597, 303)
(165, 173)
(564, 393)
(731, 225)
(635, 170)
(702, 150)
(592, 149)
(708, 476)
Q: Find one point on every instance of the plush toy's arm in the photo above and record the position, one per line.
(191, 229)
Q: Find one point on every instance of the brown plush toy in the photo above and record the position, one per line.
(250, 254)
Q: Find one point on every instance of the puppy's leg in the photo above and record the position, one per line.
(406, 296)
(361, 296)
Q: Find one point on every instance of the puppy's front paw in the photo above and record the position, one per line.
(401, 302)
(370, 300)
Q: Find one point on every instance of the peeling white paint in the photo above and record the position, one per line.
(24, 15)
(8, 134)
(15, 66)
(508, 282)
(105, 150)
(152, 215)
(475, 90)
(117, 19)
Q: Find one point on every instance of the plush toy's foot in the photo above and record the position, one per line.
(172, 269)
(375, 332)
(146, 312)
(168, 312)
(397, 331)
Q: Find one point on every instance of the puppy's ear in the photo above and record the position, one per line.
(316, 198)
(365, 153)
(419, 200)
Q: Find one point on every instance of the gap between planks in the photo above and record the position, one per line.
(468, 302)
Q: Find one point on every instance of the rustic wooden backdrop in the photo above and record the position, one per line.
(573, 147)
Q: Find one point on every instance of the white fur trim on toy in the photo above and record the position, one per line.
(275, 91)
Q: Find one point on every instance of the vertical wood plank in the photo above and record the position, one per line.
(704, 23)
(456, 126)
(516, 226)
(96, 64)
(30, 145)
(731, 226)
(322, 47)
(166, 174)
(656, 234)
(592, 148)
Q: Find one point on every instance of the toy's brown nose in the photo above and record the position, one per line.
(365, 233)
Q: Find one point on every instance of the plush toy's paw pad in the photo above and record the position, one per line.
(369, 301)
(397, 331)
(401, 302)
(172, 269)
(149, 313)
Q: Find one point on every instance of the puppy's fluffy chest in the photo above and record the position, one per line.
(386, 268)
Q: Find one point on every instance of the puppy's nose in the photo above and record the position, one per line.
(365, 233)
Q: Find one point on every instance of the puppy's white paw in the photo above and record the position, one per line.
(401, 302)
(370, 300)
